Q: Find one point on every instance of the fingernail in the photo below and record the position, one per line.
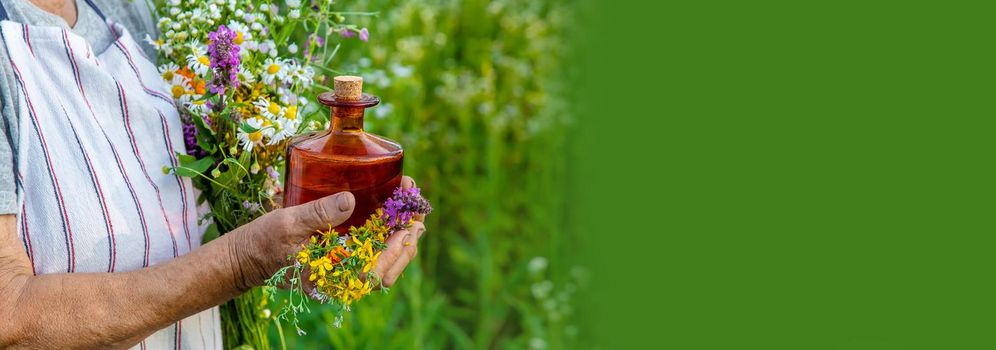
(344, 201)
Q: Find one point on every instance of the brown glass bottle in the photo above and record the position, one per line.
(344, 158)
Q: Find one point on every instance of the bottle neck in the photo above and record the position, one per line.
(347, 119)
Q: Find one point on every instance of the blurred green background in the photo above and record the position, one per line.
(475, 92)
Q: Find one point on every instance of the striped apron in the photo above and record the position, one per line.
(95, 130)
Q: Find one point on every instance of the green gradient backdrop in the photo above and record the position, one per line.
(779, 175)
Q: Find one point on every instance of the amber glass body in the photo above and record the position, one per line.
(344, 158)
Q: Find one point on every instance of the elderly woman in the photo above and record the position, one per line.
(97, 248)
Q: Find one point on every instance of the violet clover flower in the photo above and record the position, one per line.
(349, 33)
(402, 207)
(190, 140)
(225, 59)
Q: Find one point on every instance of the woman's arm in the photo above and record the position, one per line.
(117, 310)
(100, 310)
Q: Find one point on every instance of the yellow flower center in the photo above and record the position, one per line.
(177, 91)
(274, 108)
(273, 68)
(204, 60)
(255, 136)
(291, 112)
(238, 38)
(168, 75)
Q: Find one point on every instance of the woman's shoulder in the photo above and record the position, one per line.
(136, 15)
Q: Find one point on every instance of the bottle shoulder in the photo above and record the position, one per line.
(353, 145)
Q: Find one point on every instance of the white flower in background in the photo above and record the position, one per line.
(383, 111)
(286, 96)
(265, 47)
(293, 3)
(249, 45)
(294, 14)
(159, 44)
(304, 75)
(199, 64)
(537, 265)
(291, 68)
(292, 48)
(541, 290)
(537, 343)
(197, 15)
(401, 71)
(273, 69)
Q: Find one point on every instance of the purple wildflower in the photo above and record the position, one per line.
(313, 39)
(319, 41)
(402, 207)
(364, 34)
(273, 173)
(190, 140)
(347, 33)
(251, 206)
(225, 59)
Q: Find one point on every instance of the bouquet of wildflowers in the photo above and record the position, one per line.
(341, 266)
(244, 74)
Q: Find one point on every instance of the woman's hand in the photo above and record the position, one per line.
(262, 246)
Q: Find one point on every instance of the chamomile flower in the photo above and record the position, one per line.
(267, 108)
(248, 140)
(242, 33)
(179, 86)
(197, 49)
(168, 71)
(196, 106)
(245, 76)
(283, 129)
(199, 64)
(290, 113)
(274, 68)
(303, 74)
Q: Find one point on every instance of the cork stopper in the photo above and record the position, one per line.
(348, 87)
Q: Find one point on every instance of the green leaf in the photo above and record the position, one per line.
(247, 128)
(194, 168)
(185, 158)
(210, 233)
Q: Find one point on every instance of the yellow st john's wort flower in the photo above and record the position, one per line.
(302, 256)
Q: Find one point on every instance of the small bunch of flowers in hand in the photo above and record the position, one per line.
(341, 266)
